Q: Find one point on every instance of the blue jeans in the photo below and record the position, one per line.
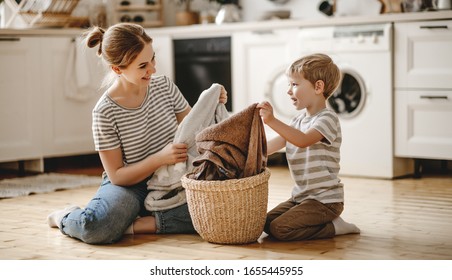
(114, 208)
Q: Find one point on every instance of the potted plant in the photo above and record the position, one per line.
(186, 16)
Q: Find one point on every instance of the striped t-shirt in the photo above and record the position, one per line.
(315, 168)
(142, 131)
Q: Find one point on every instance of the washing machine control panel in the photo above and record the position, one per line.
(345, 38)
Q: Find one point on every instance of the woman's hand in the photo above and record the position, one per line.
(129, 175)
(266, 111)
(174, 153)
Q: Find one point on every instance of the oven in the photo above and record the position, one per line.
(201, 62)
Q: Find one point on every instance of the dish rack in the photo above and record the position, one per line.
(42, 13)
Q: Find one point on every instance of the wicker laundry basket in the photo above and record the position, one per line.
(229, 211)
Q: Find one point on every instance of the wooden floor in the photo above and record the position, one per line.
(399, 219)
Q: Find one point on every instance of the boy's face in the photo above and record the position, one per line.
(301, 91)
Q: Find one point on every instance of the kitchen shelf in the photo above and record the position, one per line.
(40, 13)
(155, 7)
(152, 13)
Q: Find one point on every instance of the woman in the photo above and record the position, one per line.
(134, 123)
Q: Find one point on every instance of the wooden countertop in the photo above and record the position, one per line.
(213, 29)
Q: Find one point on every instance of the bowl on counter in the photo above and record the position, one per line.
(277, 14)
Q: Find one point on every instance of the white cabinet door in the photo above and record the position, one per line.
(422, 127)
(423, 54)
(20, 98)
(71, 79)
(163, 48)
(423, 89)
(257, 58)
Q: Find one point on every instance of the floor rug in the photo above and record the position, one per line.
(44, 183)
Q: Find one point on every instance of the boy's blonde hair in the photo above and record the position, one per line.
(316, 67)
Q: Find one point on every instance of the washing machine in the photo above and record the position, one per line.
(276, 92)
(364, 99)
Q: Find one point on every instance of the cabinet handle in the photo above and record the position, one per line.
(434, 27)
(434, 97)
(9, 39)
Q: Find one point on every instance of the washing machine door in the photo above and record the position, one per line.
(348, 100)
(276, 93)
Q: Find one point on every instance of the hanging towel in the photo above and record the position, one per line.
(206, 112)
(78, 83)
(233, 149)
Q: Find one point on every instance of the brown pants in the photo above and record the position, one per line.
(309, 219)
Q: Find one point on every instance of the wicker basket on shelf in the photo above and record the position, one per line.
(229, 211)
(45, 13)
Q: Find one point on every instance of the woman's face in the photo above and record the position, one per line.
(139, 72)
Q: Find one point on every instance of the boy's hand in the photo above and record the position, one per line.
(223, 95)
(266, 111)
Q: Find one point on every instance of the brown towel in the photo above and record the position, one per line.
(232, 149)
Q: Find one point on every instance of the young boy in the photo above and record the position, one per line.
(312, 142)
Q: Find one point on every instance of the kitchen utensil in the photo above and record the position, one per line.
(410, 6)
(279, 14)
(444, 4)
(326, 7)
(228, 13)
(429, 5)
(419, 5)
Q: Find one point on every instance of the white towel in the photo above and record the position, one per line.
(155, 202)
(207, 111)
(78, 84)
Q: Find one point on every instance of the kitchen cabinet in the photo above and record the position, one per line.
(38, 119)
(423, 55)
(20, 98)
(257, 58)
(423, 124)
(44, 111)
(423, 90)
(66, 125)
